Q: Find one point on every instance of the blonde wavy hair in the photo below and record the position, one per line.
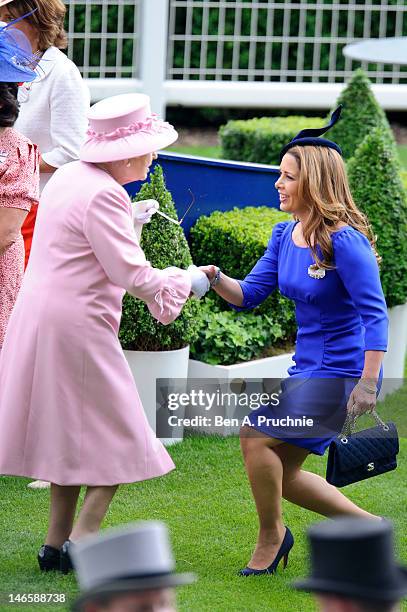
(48, 20)
(324, 189)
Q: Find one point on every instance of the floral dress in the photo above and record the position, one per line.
(19, 186)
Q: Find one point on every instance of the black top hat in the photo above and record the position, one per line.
(354, 557)
(310, 137)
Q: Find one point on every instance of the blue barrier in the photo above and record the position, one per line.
(215, 184)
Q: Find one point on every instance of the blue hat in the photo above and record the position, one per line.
(311, 138)
(16, 56)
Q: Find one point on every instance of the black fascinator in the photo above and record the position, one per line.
(311, 137)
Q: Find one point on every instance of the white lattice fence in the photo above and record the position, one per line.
(104, 37)
(278, 41)
(252, 53)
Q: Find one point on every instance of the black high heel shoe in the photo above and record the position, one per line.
(48, 558)
(65, 564)
(282, 553)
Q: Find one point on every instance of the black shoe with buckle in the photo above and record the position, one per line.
(48, 558)
(65, 558)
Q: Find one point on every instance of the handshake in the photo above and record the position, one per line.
(201, 278)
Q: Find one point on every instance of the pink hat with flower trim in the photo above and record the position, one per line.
(122, 127)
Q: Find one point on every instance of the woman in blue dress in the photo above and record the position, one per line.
(326, 262)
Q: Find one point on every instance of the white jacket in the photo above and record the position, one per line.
(53, 110)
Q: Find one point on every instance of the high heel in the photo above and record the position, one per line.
(282, 553)
(65, 559)
(48, 558)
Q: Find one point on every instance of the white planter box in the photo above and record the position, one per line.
(146, 367)
(228, 380)
(394, 359)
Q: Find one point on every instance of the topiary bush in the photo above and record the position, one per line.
(164, 245)
(234, 241)
(261, 140)
(361, 114)
(379, 192)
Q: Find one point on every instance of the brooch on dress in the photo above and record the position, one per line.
(315, 272)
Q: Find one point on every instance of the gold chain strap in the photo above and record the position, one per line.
(349, 426)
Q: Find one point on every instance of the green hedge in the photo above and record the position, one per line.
(234, 241)
(261, 140)
(164, 245)
(377, 188)
(361, 114)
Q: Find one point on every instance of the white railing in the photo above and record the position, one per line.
(258, 53)
(280, 40)
(104, 37)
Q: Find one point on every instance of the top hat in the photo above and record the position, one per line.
(122, 127)
(17, 61)
(134, 558)
(354, 557)
(310, 137)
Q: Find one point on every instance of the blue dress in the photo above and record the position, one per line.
(339, 317)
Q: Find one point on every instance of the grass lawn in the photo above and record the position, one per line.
(207, 504)
(403, 155)
(200, 151)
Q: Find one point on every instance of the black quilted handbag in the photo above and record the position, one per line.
(356, 456)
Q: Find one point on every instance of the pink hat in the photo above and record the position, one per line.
(122, 127)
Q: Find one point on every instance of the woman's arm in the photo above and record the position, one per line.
(69, 104)
(108, 226)
(358, 269)
(258, 284)
(11, 220)
(373, 362)
(228, 288)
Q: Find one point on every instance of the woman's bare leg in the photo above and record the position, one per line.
(63, 501)
(93, 511)
(265, 471)
(309, 490)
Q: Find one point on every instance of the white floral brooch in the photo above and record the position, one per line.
(315, 272)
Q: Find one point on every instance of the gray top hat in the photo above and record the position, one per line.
(354, 557)
(136, 557)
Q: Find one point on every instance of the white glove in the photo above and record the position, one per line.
(199, 281)
(144, 210)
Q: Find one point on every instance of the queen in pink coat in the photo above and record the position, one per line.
(69, 408)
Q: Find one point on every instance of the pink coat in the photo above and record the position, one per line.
(69, 408)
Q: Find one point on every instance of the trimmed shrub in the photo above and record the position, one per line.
(234, 241)
(164, 245)
(261, 140)
(361, 114)
(378, 191)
